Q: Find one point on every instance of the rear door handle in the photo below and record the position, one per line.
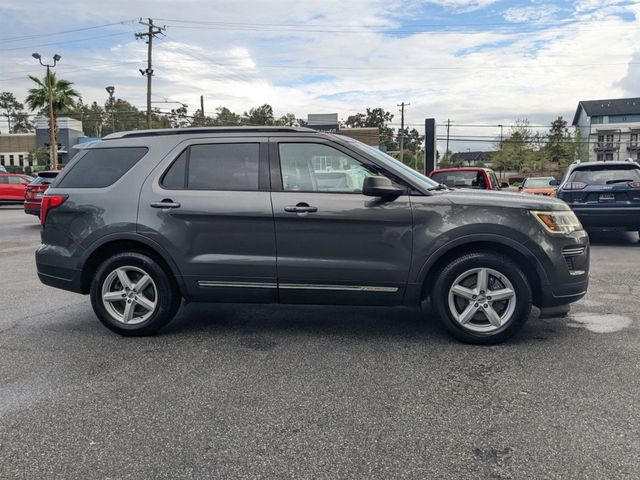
(166, 203)
(300, 208)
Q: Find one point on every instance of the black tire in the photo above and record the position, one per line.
(510, 271)
(165, 292)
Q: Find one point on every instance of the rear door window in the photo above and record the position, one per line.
(606, 174)
(101, 167)
(216, 166)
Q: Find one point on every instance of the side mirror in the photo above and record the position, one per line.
(504, 185)
(554, 183)
(380, 187)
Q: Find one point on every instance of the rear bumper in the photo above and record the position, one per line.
(53, 272)
(32, 208)
(608, 217)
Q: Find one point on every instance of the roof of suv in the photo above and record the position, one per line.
(601, 163)
(207, 130)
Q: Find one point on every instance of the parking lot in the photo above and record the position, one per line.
(237, 391)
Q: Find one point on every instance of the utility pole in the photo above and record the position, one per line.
(446, 152)
(202, 105)
(402, 105)
(110, 90)
(53, 141)
(151, 33)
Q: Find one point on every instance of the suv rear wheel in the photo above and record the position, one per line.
(482, 298)
(133, 295)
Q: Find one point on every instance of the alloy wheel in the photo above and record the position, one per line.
(129, 295)
(482, 300)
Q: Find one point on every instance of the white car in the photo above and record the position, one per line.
(2, 169)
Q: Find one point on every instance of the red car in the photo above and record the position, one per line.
(468, 177)
(34, 191)
(12, 186)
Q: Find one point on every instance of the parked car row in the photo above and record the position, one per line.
(603, 194)
(15, 187)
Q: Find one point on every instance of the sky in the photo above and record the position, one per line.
(478, 63)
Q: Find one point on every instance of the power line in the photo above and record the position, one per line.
(402, 29)
(63, 42)
(62, 32)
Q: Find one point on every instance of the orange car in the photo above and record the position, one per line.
(540, 186)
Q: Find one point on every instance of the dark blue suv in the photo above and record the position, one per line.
(604, 194)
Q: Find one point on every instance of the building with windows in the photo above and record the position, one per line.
(16, 149)
(612, 128)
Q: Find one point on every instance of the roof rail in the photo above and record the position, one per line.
(205, 130)
(575, 162)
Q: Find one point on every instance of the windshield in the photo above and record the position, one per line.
(393, 164)
(538, 182)
(606, 174)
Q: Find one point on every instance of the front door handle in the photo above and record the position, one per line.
(166, 203)
(302, 207)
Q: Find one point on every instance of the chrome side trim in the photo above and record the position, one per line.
(203, 283)
(346, 288)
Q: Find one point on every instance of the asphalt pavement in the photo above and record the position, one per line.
(237, 391)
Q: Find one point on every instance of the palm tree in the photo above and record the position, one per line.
(62, 96)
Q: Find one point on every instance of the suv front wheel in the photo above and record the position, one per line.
(133, 295)
(482, 298)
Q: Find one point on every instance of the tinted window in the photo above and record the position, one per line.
(461, 179)
(606, 174)
(312, 167)
(15, 180)
(101, 167)
(223, 166)
(538, 182)
(175, 177)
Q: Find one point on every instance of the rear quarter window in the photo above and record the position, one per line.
(101, 167)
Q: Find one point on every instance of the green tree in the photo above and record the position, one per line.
(262, 115)
(519, 150)
(412, 139)
(287, 120)
(201, 120)
(17, 118)
(59, 93)
(559, 149)
(178, 117)
(226, 118)
(375, 117)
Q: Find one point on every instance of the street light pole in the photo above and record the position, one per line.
(53, 142)
(110, 90)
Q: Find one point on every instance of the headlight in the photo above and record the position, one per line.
(563, 222)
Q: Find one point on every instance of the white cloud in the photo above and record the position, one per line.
(463, 5)
(533, 13)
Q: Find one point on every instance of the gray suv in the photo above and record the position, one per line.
(144, 219)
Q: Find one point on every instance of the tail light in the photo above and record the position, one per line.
(634, 185)
(50, 202)
(574, 186)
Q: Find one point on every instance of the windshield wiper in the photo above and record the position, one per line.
(622, 180)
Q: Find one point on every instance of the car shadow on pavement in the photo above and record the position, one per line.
(306, 320)
(363, 323)
(613, 238)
